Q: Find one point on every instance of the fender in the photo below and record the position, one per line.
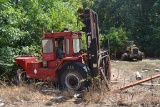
(77, 66)
(22, 61)
(68, 60)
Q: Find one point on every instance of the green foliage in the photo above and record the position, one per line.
(6, 59)
(84, 45)
(21, 24)
(138, 17)
(88, 3)
(117, 38)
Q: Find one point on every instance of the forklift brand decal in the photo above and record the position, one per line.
(70, 67)
(35, 71)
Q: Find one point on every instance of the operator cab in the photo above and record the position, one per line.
(53, 48)
(59, 45)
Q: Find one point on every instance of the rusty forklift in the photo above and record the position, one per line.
(71, 66)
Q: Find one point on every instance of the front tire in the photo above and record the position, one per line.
(72, 80)
(74, 76)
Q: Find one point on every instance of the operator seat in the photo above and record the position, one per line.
(59, 53)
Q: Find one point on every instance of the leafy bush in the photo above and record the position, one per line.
(117, 39)
(21, 26)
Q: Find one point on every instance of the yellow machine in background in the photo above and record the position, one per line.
(132, 52)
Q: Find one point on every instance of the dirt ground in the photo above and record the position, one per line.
(123, 73)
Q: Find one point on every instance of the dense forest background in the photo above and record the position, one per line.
(21, 24)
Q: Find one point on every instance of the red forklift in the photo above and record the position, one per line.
(63, 59)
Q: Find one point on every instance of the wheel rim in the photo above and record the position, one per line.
(72, 81)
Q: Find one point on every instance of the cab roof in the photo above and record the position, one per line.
(62, 34)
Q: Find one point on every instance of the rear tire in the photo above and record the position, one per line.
(19, 77)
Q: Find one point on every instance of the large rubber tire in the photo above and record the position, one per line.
(140, 57)
(19, 77)
(124, 57)
(74, 76)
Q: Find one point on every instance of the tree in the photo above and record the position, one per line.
(21, 26)
(139, 18)
(117, 38)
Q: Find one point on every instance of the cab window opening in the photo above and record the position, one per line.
(47, 45)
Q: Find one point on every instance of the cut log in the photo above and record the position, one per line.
(149, 84)
(138, 82)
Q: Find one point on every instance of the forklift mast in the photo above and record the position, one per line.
(90, 19)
